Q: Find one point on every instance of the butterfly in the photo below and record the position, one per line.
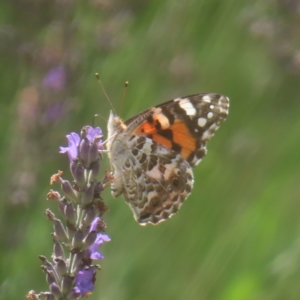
(152, 154)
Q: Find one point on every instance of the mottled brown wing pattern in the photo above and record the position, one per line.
(153, 153)
(156, 180)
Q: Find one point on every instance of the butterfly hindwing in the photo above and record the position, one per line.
(156, 180)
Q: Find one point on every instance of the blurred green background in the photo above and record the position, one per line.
(237, 236)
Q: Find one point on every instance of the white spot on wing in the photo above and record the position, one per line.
(168, 171)
(154, 173)
(187, 106)
(163, 120)
(210, 115)
(206, 98)
(202, 122)
(206, 135)
(156, 110)
(197, 161)
(151, 195)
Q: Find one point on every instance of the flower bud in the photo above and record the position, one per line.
(93, 154)
(69, 191)
(61, 266)
(95, 169)
(88, 194)
(53, 195)
(55, 290)
(56, 177)
(48, 266)
(90, 216)
(71, 230)
(32, 295)
(84, 148)
(60, 231)
(46, 295)
(78, 173)
(49, 275)
(77, 263)
(50, 297)
(77, 239)
(67, 284)
(90, 239)
(62, 207)
(67, 210)
(58, 249)
(50, 215)
(98, 188)
(70, 213)
(44, 259)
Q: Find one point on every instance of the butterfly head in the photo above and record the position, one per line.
(114, 126)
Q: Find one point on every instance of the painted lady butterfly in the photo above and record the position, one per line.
(153, 153)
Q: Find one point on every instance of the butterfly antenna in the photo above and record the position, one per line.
(96, 116)
(104, 92)
(123, 96)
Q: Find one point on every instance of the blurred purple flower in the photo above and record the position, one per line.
(55, 78)
(72, 149)
(85, 281)
(101, 238)
(55, 111)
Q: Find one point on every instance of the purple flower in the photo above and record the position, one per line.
(85, 281)
(74, 142)
(101, 238)
(55, 78)
(72, 149)
(93, 133)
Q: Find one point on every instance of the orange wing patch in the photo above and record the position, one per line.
(183, 137)
(180, 135)
(146, 128)
(162, 140)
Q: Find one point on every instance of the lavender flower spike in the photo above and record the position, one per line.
(77, 237)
